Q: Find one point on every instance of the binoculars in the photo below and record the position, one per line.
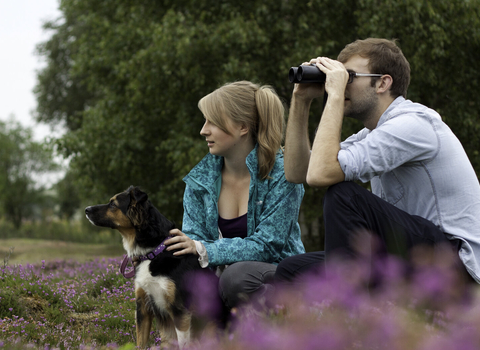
(306, 74)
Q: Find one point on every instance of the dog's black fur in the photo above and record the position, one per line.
(143, 228)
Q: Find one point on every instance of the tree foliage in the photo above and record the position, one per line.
(125, 76)
(441, 39)
(21, 160)
(67, 196)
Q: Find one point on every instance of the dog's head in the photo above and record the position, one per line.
(131, 213)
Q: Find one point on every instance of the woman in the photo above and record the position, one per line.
(238, 208)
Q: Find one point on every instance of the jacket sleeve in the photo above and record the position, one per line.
(195, 215)
(276, 224)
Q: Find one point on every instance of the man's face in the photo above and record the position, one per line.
(361, 99)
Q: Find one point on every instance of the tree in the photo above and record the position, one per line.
(135, 70)
(442, 41)
(21, 161)
(67, 196)
(145, 65)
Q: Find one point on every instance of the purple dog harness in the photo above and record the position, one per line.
(149, 256)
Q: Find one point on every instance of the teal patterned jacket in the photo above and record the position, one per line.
(273, 232)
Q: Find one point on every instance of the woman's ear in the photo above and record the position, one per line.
(244, 129)
(385, 83)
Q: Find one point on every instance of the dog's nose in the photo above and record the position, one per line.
(88, 210)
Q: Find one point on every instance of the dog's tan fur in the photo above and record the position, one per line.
(143, 318)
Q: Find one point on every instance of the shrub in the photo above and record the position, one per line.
(68, 305)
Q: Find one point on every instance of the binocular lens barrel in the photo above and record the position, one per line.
(292, 75)
(306, 74)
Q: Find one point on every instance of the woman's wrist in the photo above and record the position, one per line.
(202, 254)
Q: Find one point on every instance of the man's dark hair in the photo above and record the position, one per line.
(385, 57)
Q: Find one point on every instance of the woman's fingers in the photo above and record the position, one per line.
(180, 242)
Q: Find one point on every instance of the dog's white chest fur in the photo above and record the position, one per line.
(156, 287)
(160, 289)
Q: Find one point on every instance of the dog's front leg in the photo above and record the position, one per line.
(144, 318)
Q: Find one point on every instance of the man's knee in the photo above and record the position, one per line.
(339, 195)
(300, 265)
(342, 189)
(285, 270)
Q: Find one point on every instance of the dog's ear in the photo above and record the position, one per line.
(139, 196)
(136, 215)
(136, 211)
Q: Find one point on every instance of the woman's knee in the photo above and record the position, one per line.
(241, 280)
(231, 278)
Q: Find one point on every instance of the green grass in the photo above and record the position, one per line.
(60, 288)
(57, 239)
(33, 251)
(65, 304)
(63, 295)
(81, 231)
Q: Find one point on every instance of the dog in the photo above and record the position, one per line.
(160, 277)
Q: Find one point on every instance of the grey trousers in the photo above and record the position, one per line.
(245, 280)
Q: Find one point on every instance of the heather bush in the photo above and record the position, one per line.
(65, 304)
(70, 305)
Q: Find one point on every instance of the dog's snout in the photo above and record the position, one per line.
(88, 210)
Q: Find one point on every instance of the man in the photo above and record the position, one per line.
(424, 189)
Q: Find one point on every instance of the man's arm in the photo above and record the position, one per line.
(324, 169)
(297, 142)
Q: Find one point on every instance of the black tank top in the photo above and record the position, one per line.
(232, 228)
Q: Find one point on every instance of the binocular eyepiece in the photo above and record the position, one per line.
(306, 74)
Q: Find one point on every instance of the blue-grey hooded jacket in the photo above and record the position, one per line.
(273, 232)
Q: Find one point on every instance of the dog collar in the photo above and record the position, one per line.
(149, 256)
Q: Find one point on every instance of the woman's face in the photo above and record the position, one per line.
(219, 142)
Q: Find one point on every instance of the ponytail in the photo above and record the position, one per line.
(271, 123)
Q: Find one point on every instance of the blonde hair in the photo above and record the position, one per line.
(257, 107)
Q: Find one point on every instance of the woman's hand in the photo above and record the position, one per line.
(181, 241)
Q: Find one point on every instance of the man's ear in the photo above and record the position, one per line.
(384, 83)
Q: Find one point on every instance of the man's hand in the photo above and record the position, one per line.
(181, 241)
(308, 92)
(337, 75)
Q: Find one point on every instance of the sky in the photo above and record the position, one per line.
(20, 31)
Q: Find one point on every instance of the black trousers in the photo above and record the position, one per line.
(351, 213)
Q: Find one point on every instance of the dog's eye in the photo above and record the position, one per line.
(112, 204)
